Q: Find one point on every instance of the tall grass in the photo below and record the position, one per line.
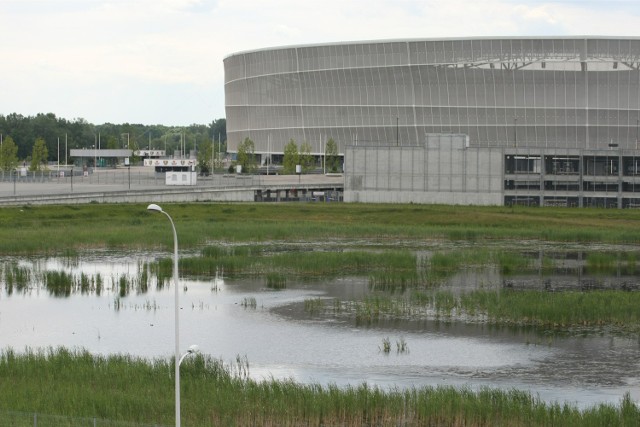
(60, 229)
(557, 309)
(16, 276)
(560, 310)
(255, 261)
(123, 388)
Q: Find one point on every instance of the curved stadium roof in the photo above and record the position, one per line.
(564, 92)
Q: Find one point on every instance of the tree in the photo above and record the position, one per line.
(218, 129)
(8, 155)
(291, 158)
(332, 161)
(246, 157)
(205, 152)
(39, 155)
(306, 159)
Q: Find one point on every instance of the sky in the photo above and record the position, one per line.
(161, 61)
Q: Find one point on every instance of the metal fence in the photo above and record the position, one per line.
(123, 177)
(30, 419)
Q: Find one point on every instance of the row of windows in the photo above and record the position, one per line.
(517, 120)
(426, 52)
(438, 86)
(547, 137)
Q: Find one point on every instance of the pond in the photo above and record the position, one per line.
(240, 317)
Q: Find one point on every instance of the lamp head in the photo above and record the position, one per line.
(154, 207)
(193, 349)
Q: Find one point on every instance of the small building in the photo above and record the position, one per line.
(100, 157)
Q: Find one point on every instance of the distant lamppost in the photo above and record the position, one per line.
(127, 163)
(155, 208)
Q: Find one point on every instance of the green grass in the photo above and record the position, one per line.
(123, 388)
(59, 229)
(557, 309)
(590, 310)
(255, 240)
(257, 261)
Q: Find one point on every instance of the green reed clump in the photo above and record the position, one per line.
(123, 286)
(99, 283)
(143, 277)
(511, 262)
(321, 263)
(276, 280)
(162, 270)
(257, 261)
(395, 280)
(220, 252)
(556, 309)
(16, 276)
(124, 388)
(444, 302)
(58, 283)
(314, 305)
(249, 302)
(386, 345)
(373, 307)
(443, 265)
(402, 346)
(85, 283)
(611, 262)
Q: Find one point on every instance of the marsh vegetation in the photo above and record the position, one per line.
(525, 268)
(125, 388)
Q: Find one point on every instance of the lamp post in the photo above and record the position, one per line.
(191, 350)
(155, 208)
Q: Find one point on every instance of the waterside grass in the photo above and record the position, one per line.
(613, 309)
(65, 229)
(123, 388)
(276, 266)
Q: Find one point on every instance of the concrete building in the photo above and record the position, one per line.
(561, 113)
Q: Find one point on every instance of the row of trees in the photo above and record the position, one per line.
(53, 135)
(9, 155)
(293, 156)
(38, 140)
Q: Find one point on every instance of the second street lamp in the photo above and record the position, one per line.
(155, 208)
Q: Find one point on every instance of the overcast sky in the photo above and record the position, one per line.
(160, 61)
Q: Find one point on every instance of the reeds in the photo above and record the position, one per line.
(276, 280)
(314, 306)
(16, 276)
(386, 269)
(249, 302)
(555, 309)
(124, 388)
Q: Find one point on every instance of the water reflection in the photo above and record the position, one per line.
(283, 340)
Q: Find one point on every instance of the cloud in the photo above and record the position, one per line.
(109, 55)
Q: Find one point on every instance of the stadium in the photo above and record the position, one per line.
(536, 121)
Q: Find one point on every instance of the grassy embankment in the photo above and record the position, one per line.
(122, 388)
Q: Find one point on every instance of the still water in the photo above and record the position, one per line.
(280, 340)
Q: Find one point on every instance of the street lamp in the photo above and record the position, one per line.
(155, 208)
(191, 350)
